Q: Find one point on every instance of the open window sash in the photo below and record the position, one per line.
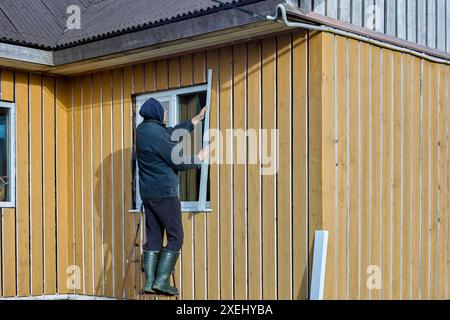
(206, 137)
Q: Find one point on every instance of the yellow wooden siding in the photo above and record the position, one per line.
(391, 147)
(64, 241)
(299, 166)
(34, 234)
(375, 134)
(49, 184)
(269, 276)
(223, 255)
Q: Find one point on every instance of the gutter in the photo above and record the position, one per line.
(281, 16)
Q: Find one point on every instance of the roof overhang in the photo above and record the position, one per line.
(32, 59)
(186, 35)
(178, 37)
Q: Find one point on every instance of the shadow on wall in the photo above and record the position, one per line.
(114, 226)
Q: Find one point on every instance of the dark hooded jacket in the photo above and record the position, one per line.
(158, 173)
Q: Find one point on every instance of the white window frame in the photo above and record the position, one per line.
(172, 97)
(12, 152)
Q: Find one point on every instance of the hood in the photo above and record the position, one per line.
(152, 110)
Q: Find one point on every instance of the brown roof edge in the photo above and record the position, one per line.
(317, 18)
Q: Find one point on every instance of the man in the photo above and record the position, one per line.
(158, 183)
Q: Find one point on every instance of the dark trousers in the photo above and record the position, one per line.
(163, 214)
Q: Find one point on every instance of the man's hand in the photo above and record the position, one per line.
(204, 154)
(198, 118)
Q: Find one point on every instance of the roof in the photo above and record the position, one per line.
(42, 23)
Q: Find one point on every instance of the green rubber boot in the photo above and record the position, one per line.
(151, 259)
(166, 264)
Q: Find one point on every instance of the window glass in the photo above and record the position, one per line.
(4, 154)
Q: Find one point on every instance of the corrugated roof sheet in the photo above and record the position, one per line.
(42, 23)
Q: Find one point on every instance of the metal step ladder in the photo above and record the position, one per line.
(132, 259)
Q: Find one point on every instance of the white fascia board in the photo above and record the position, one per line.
(26, 54)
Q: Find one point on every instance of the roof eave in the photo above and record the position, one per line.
(172, 38)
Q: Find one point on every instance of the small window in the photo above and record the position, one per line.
(7, 155)
(182, 105)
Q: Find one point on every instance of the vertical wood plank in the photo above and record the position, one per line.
(200, 276)
(138, 87)
(7, 79)
(434, 127)
(212, 220)
(187, 73)
(87, 184)
(186, 78)
(239, 172)
(366, 174)
(343, 168)
(97, 183)
(49, 191)
(254, 175)
(36, 185)
(78, 186)
(63, 184)
(386, 174)
(268, 181)
(377, 200)
(329, 158)
(416, 181)
(187, 263)
(199, 256)
(443, 174)
(71, 187)
(162, 75)
(354, 221)
(426, 182)
(226, 247)
(199, 63)
(397, 178)
(407, 213)
(315, 176)
(129, 218)
(150, 76)
(284, 171)
(107, 167)
(118, 180)
(174, 72)
(9, 252)
(447, 91)
(139, 78)
(299, 170)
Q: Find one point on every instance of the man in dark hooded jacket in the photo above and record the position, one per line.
(158, 184)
